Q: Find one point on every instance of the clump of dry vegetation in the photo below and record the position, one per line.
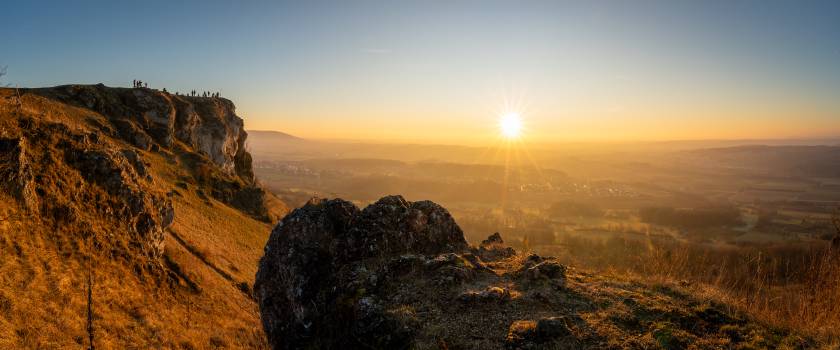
(791, 286)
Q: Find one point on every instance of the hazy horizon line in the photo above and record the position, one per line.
(815, 141)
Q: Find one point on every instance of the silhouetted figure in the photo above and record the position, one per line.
(164, 91)
(146, 85)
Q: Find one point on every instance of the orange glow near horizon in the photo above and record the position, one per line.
(481, 128)
(602, 117)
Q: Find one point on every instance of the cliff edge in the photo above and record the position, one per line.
(142, 200)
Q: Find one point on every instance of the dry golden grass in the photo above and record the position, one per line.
(795, 287)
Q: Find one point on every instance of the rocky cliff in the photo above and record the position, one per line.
(398, 275)
(151, 119)
(67, 171)
(144, 198)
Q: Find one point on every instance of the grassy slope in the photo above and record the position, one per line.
(212, 250)
(43, 270)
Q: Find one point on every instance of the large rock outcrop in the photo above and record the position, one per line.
(79, 182)
(203, 133)
(322, 279)
(150, 118)
(77, 157)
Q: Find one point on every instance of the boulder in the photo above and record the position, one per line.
(546, 270)
(529, 334)
(493, 249)
(494, 239)
(321, 282)
(496, 295)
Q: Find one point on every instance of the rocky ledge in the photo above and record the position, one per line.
(150, 119)
(399, 275)
(81, 159)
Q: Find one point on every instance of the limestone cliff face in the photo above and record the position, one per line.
(150, 119)
(79, 157)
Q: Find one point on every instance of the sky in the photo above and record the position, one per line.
(444, 71)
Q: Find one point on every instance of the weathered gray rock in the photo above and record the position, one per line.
(490, 295)
(494, 239)
(148, 118)
(529, 334)
(493, 249)
(116, 172)
(546, 270)
(67, 176)
(319, 283)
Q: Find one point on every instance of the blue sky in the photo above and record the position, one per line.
(444, 70)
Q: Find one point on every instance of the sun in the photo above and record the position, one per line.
(510, 124)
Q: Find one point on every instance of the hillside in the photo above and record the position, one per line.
(399, 275)
(147, 198)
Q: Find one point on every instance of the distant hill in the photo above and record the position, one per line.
(275, 145)
(819, 161)
(270, 135)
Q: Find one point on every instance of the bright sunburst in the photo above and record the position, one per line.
(510, 125)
